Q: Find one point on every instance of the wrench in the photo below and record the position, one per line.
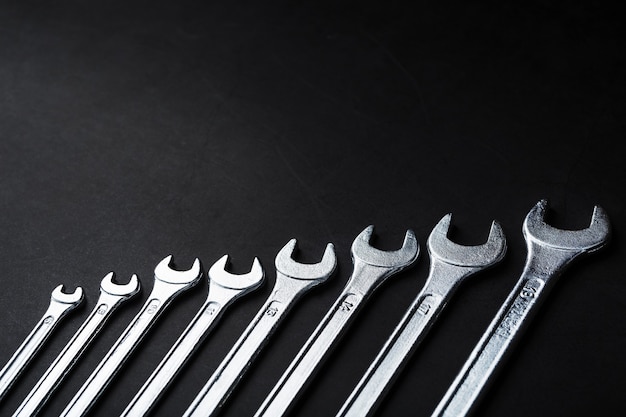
(292, 280)
(168, 283)
(449, 266)
(550, 250)
(371, 268)
(224, 288)
(60, 304)
(111, 295)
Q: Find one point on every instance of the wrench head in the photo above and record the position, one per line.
(480, 256)
(67, 298)
(131, 288)
(312, 272)
(164, 272)
(398, 259)
(251, 280)
(586, 240)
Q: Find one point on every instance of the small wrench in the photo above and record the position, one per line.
(550, 250)
(371, 268)
(168, 283)
(111, 295)
(60, 304)
(449, 266)
(292, 280)
(224, 288)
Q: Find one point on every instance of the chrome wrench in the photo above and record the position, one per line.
(450, 264)
(293, 279)
(224, 288)
(168, 283)
(550, 250)
(111, 296)
(60, 304)
(371, 268)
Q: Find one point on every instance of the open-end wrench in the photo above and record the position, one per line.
(550, 250)
(111, 295)
(292, 280)
(450, 264)
(60, 304)
(371, 268)
(167, 284)
(224, 288)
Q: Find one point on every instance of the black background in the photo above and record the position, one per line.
(128, 132)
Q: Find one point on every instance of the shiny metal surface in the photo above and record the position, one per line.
(293, 279)
(371, 268)
(224, 288)
(550, 250)
(111, 296)
(60, 304)
(168, 283)
(450, 264)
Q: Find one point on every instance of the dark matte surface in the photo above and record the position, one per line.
(131, 132)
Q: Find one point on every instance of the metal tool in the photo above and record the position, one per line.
(371, 268)
(60, 304)
(550, 250)
(450, 264)
(224, 288)
(111, 296)
(292, 280)
(168, 283)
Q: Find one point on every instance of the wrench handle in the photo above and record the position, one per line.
(311, 355)
(236, 363)
(183, 348)
(406, 337)
(159, 298)
(489, 353)
(31, 345)
(70, 354)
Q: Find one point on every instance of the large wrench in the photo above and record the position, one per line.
(60, 304)
(550, 250)
(450, 264)
(224, 288)
(371, 268)
(292, 280)
(168, 283)
(111, 296)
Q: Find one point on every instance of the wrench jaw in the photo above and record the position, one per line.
(399, 259)
(73, 298)
(317, 272)
(481, 256)
(537, 231)
(250, 281)
(164, 272)
(550, 250)
(121, 290)
(373, 266)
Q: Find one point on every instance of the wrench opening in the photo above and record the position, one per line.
(444, 249)
(110, 287)
(590, 239)
(398, 259)
(287, 266)
(62, 297)
(164, 272)
(219, 275)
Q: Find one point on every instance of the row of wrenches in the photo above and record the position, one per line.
(550, 250)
